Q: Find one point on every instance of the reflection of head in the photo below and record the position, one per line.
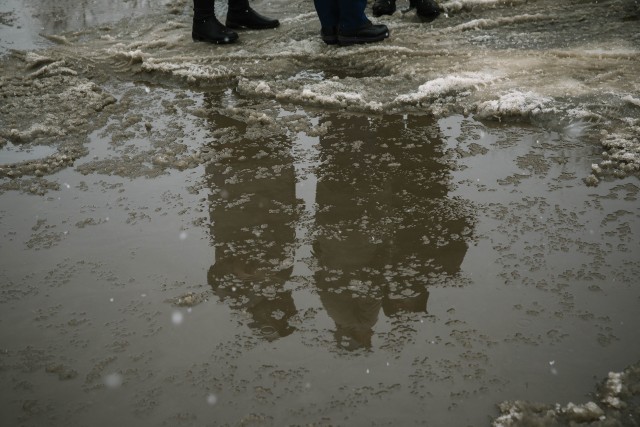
(258, 293)
(351, 339)
(354, 317)
(271, 316)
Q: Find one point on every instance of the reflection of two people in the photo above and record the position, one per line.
(253, 216)
(384, 225)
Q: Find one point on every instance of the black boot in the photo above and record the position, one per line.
(240, 15)
(329, 35)
(368, 33)
(383, 7)
(427, 10)
(206, 27)
(209, 29)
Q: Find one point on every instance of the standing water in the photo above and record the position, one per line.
(439, 229)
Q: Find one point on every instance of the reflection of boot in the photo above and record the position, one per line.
(206, 26)
(240, 15)
(427, 10)
(383, 7)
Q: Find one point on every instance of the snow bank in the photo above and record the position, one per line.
(516, 104)
(617, 403)
(445, 86)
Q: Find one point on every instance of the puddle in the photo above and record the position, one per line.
(26, 24)
(11, 153)
(430, 262)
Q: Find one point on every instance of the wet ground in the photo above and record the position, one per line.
(441, 229)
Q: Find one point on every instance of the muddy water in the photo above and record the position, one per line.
(280, 232)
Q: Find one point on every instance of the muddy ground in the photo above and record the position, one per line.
(440, 229)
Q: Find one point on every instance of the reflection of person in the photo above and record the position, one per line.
(385, 227)
(253, 214)
(427, 10)
(344, 22)
(206, 26)
(354, 317)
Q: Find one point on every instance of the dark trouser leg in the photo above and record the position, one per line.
(204, 8)
(352, 14)
(354, 26)
(329, 14)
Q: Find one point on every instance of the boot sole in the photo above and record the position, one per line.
(235, 26)
(330, 39)
(226, 40)
(348, 41)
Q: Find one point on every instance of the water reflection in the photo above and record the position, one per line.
(253, 218)
(384, 225)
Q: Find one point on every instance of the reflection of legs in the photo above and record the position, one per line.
(253, 219)
(253, 226)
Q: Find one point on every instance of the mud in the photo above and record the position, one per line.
(280, 232)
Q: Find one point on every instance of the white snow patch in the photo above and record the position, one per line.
(330, 93)
(446, 85)
(192, 72)
(457, 5)
(35, 131)
(516, 103)
(134, 56)
(630, 99)
(262, 87)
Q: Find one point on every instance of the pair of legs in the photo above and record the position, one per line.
(344, 22)
(206, 26)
